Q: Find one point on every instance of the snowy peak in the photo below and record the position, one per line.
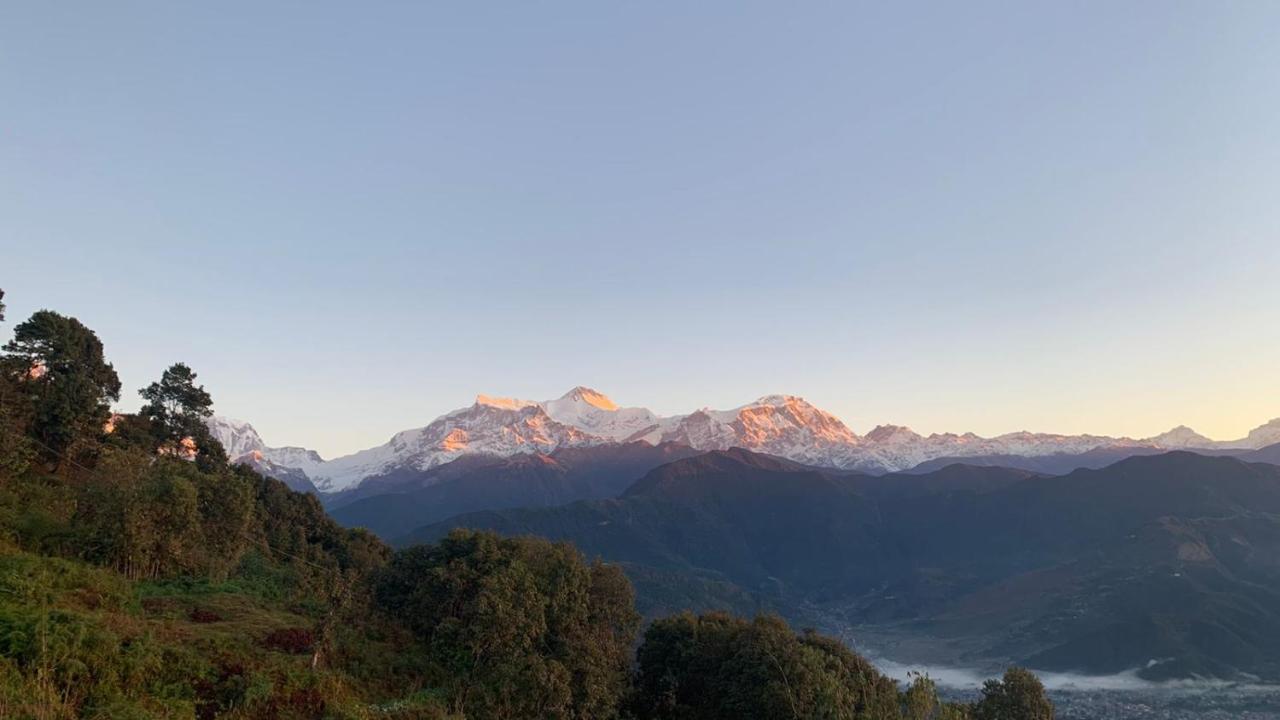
(593, 412)
(1264, 435)
(243, 444)
(491, 426)
(502, 403)
(776, 417)
(587, 396)
(238, 437)
(1180, 437)
(783, 425)
(892, 434)
(1184, 437)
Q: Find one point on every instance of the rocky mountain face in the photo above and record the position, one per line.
(783, 425)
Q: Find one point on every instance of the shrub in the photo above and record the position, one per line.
(295, 641)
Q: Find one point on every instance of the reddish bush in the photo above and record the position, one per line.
(91, 599)
(198, 615)
(290, 640)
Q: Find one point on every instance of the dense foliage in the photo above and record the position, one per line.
(718, 666)
(141, 576)
(64, 382)
(176, 411)
(516, 627)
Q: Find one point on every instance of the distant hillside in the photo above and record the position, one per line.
(1269, 454)
(1171, 558)
(1055, 464)
(395, 504)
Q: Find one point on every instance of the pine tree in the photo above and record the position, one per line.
(64, 377)
(177, 409)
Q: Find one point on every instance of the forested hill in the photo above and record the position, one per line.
(141, 576)
(1163, 565)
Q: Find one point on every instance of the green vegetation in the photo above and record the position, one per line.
(718, 666)
(176, 411)
(64, 379)
(141, 576)
(1018, 695)
(516, 627)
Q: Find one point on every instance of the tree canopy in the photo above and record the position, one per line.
(66, 380)
(516, 627)
(716, 666)
(1019, 695)
(176, 410)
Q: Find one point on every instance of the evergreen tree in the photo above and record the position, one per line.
(63, 375)
(1, 305)
(177, 409)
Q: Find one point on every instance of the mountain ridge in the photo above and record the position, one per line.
(782, 425)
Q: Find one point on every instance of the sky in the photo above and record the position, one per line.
(349, 218)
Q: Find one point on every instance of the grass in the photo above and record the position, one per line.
(79, 641)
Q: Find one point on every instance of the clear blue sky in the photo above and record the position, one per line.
(351, 217)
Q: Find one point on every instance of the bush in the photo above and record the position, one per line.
(198, 615)
(295, 641)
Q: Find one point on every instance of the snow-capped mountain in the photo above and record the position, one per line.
(491, 426)
(594, 413)
(894, 447)
(782, 425)
(237, 436)
(241, 440)
(1263, 435)
(1181, 437)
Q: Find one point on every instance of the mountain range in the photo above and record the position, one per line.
(1084, 553)
(780, 425)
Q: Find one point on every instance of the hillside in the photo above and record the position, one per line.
(394, 504)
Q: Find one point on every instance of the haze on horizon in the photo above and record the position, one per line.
(351, 220)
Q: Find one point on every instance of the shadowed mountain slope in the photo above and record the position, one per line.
(1170, 558)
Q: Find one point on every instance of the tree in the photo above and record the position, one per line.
(920, 699)
(65, 378)
(1018, 696)
(717, 667)
(177, 409)
(1, 305)
(920, 702)
(515, 628)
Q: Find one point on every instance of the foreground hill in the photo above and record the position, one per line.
(1165, 564)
